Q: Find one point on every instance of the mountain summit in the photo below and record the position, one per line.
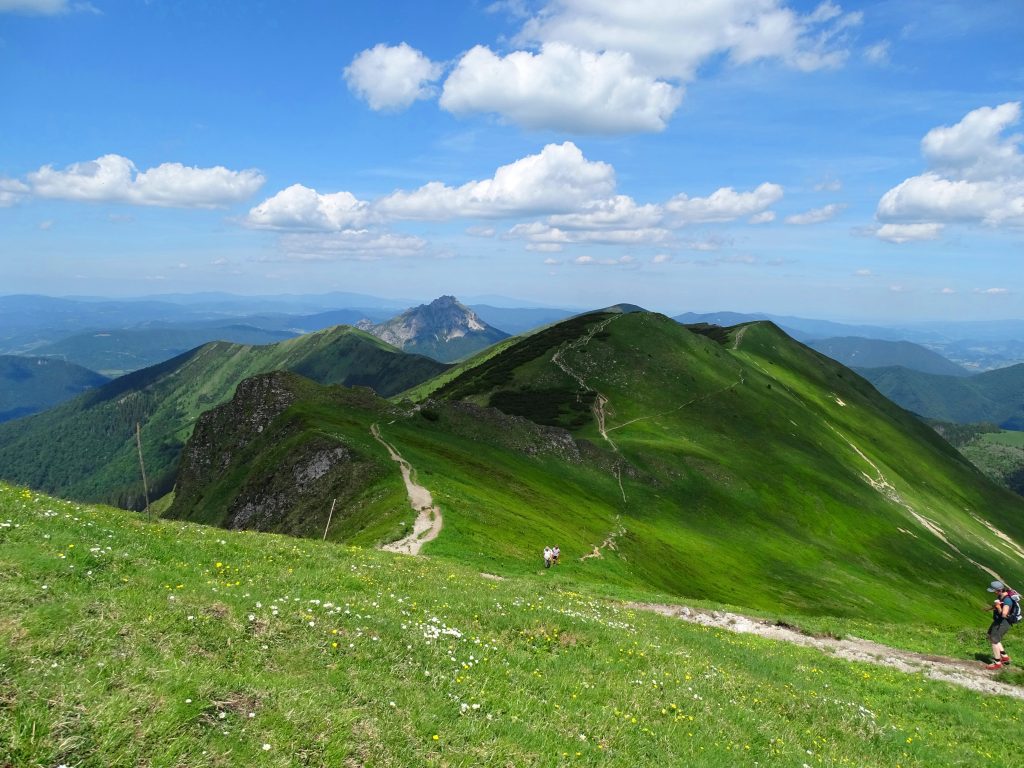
(444, 329)
(686, 460)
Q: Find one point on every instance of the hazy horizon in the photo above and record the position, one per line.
(855, 161)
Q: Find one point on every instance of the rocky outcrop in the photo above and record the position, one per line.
(227, 429)
(268, 503)
(253, 463)
(445, 329)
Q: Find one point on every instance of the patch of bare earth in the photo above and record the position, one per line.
(428, 518)
(970, 675)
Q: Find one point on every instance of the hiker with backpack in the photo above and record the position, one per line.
(1005, 613)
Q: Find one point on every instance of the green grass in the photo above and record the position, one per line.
(85, 448)
(125, 643)
(738, 475)
(1005, 437)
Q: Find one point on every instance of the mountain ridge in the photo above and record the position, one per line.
(658, 457)
(85, 447)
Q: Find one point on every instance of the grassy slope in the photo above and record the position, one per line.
(1013, 439)
(125, 643)
(729, 492)
(371, 499)
(118, 351)
(992, 396)
(743, 478)
(85, 448)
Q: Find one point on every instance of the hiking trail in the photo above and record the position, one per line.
(966, 674)
(609, 542)
(428, 518)
(600, 401)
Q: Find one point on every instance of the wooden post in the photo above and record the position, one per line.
(142, 466)
(329, 518)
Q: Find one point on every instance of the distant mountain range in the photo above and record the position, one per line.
(855, 352)
(32, 384)
(120, 351)
(85, 447)
(996, 397)
(975, 345)
(113, 337)
(28, 322)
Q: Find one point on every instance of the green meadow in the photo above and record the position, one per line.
(125, 642)
(1005, 437)
(736, 467)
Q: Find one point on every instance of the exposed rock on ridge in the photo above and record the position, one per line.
(445, 329)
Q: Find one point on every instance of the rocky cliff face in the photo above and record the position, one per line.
(268, 504)
(221, 433)
(444, 329)
(252, 463)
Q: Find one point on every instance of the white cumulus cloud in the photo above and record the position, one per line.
(561, 87)
(113, 178)
(725, 204)
(673, 39)
(975, 175)
(12, 191)
(598, 67)
(815, 215)
(558, 179)
(299, 207)
(975, 148)
(908, 233)
(617, 212)
(392, 77)
(39, 7)
(350, 245)
(537, 233)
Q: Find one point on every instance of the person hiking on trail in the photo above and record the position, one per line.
(555, 553)
(1005, 613)
(548, 555)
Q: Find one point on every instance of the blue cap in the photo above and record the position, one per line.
(995, 586)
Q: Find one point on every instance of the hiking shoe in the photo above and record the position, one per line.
(995, 665)
(1005, 660)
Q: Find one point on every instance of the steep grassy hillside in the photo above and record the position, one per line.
(85, 448)
(124, 643)
(32, 384)
(995, 396)
(997, 453)
(117, 351)
(857, 352)
(278, 455)
(701, 462)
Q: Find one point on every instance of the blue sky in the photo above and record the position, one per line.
(854, 161)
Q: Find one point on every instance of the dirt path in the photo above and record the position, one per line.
(428, 519)
(608, 543)
(966, 674)
(600, 401)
